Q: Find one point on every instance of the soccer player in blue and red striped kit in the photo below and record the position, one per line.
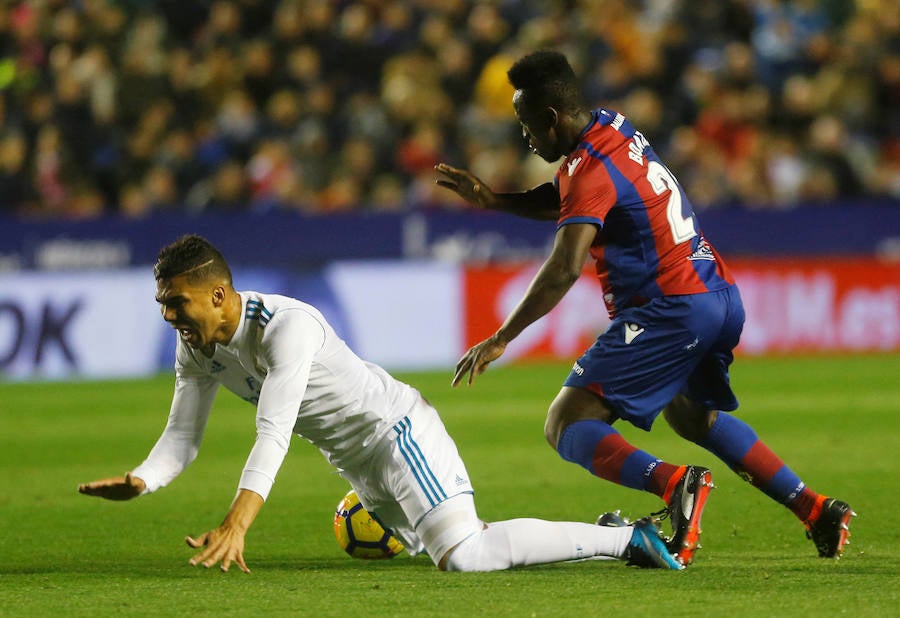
(676, 311)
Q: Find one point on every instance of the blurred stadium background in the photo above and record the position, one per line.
(300, 136)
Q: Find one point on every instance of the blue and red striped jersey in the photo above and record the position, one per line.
(649, 242)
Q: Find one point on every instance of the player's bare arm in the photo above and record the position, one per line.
(225, 544)
(541, 203)
(114, 488)
(548, 287)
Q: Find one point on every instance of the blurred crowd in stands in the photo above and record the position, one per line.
(137, 106)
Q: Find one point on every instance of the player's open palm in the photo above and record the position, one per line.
(477, 358)
(465, 185)
(114, 488)
(223, 544)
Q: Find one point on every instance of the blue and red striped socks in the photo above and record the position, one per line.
(602, 451)
(734, 442)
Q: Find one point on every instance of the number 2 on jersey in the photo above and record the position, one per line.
(662, 180)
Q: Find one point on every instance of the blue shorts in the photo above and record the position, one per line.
(671, 345)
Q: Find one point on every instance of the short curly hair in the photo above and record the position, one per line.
(547, 79)
(191, 255)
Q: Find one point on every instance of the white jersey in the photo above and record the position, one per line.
(288, 361)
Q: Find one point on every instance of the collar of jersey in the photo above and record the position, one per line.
(238, 332)
(595, 118)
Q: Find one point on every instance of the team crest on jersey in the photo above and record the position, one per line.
(217, 367)
(703, 252)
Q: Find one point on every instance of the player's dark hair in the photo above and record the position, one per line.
(194, 256)
(546, 78)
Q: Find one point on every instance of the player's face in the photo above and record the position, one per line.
(191, 308)
(538, 128)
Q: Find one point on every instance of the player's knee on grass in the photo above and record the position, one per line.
(689, 420)
(483, 551)
(447, 525)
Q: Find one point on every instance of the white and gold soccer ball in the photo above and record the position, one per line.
(359, 534)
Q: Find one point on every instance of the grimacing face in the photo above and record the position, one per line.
(193, 309)
(539, 132)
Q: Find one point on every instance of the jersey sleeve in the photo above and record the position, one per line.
(587, 192)
(179, 443)
(288, 346)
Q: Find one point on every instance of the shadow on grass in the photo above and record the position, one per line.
(178, 569)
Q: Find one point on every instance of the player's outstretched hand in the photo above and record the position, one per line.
(477, 358)
(224, 544)
(115, 488)
(465, 185)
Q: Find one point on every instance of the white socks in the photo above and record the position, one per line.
(523, 542)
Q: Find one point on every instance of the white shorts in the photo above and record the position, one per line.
(417, 485)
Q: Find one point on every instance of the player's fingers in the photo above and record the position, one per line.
(201, 558)
(239, 560)
(213, 552)
(465, 367)
(473, 366)
(93, 487)
(457, 377)
(198, 558)
(461, 367)
(485, 356)
(478, 369)
(453, 178)
(214, 555)
(200, 541)
(226, 564)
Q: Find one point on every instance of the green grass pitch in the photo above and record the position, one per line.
(835, 420)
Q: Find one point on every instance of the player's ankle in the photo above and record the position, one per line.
(672, 482)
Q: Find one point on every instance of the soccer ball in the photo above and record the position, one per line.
(359, 534)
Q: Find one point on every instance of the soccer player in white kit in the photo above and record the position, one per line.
(388, 442)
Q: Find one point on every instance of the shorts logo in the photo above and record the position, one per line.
(460, 480)
(632, 330)
(578, 369)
